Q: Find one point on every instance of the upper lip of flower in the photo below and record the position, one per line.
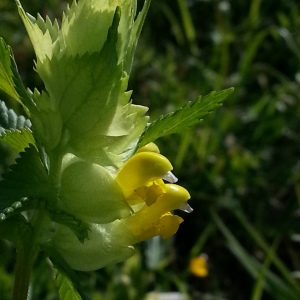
(142, 168)
(141, 179)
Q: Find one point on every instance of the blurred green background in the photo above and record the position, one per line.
(241, 164)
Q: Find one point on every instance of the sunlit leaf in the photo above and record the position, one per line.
(68, 284)
(10, 81)
(186, 116)
(6, 74)
(66, 289)
(17, 139)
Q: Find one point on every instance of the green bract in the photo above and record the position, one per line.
(85, 64)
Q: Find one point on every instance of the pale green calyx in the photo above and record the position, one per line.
(107, 244)
(90, 192)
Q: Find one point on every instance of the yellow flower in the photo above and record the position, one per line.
(141, 179)
(100, 198)
(199, 266)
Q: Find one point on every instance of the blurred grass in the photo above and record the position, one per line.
(241, 164)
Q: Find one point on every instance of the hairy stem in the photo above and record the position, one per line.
(27, 250)
(23, 269)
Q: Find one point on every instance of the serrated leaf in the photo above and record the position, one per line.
(27, 178)
(186, 116)
(10, 80)
(68, 284)
(14, 129)
(85, 76)
(46, 120)
(40, 37)
(86, 88)
(18, 139)
(90, 92)
(137, 28)
(66, 289)
(6, 74)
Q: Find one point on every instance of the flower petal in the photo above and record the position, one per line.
(141, 169)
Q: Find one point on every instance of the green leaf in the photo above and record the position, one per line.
(14, 129)
(66, 289)
(86, 88)
(27, 178)
(86, 78)
(41, 38)
(6, 74)
(18, 139)
(66, 278)
(90, 93)
(133, 36)
(186, 116)
(10, 80)
(46, 120)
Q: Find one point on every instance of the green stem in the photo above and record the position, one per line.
(188, 26)
(267, 249)
(25, 259)
(27, 250)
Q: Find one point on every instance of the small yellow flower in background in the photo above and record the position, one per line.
(199, 266)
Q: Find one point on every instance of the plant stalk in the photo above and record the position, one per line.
(27, 250)
(23, 268)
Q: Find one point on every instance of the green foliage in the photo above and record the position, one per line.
(136, 33)
(14, 130)
(186, 116)
(27, 178)
(6, 74)
(6, 284)
(10, 81)
(17, 139)
(68, 284)
(244, 156)
(66, 288)
(277, 287)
